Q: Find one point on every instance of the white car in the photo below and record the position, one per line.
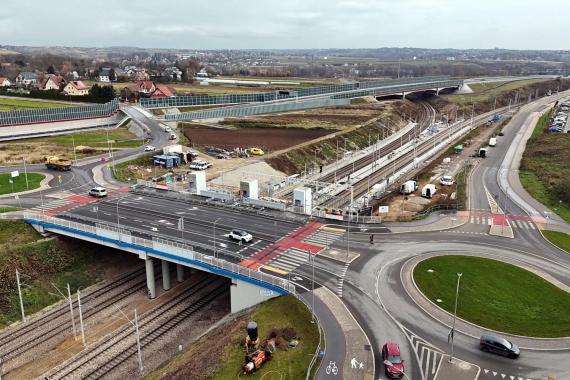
(446, 180)
(200, 165)
(98, 192)
(241, 235)
(149, 148)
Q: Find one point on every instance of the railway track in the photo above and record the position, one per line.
(110, 353)
(361, 187)
(15, 342)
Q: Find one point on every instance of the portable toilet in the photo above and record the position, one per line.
(429, 190)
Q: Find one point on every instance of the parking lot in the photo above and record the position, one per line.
(559, 122)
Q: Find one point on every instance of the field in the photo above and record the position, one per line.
(496, 295)
(265, 138)
(19, 183)
(222, 360)
(544, 170)
(7, 104)
(87, 144)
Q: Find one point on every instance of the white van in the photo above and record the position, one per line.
(429, 190)
(408, 187)
(493, 141)
(98, 192)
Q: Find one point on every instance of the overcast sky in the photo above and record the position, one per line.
(216, 24)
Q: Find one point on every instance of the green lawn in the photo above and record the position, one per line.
(4, 209)
(120, 137)
(7, 104)
(536, 188)
(560, 239)
(484, 86)
(496, 295)
(19, 183)
(292, 364)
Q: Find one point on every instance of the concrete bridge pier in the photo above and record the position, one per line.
(150, 283)
(244, 294)
(437, 91)
(165, 275)
(179, 273)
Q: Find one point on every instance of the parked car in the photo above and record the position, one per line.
(98, 192)
(446, 180)
(149, 148)
(200, 165)
(241, 235)
(256, 152)
(501, 133)
(498, 345)
(393, 363)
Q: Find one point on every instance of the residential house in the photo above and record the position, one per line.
(73, 75)
(53, 82)
(172, 73)
(146, 87)
(130, 93)
(76, 88)
(5, 82)
(141, 74)
(162, 91)
(26, 78)
(104, 75)
(120, 74)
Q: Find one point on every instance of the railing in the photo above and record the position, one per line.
(184, 101)
(246, 110)
(162, 245)
(46, 115)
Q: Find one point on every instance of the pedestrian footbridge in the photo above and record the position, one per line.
(248, 287)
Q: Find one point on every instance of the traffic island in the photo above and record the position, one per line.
(456, 369)
(493, 295)
(16, 182)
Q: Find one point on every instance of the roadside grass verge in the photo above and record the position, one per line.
(559, 239)
(496, 295)
(41, 262)
(19, 104)
(4, 209)
(19, 183)
(137, 168)
(120, 138)
(223, 360)
(491, 92)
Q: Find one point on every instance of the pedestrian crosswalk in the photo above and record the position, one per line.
(290, 259)
(325, 236)
(515, 223)
(51, 205)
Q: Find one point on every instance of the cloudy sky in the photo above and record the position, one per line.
(215, 24)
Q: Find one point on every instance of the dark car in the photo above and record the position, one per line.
(498, 345)
(501, 133)
(393, 363)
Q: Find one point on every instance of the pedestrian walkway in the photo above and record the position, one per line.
(287, 253)
(65, 201)
(516, 221)
(325, 236)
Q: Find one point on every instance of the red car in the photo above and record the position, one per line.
(393, 363)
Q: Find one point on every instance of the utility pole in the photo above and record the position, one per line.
(81, 319)
(452, 332)
(311, 257)
(74, 152)
(26, 172)
(138, 341)
(472, 115)
(20, 296)
(71, 309)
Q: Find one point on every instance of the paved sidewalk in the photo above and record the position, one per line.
(434, 222)
(456, 370)
(358, 363)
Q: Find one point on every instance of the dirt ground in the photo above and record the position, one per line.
(264, 138)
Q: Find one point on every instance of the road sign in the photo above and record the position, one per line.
(383, 209)
(15, 173)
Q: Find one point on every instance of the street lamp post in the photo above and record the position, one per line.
(452, 333)
(214, 233)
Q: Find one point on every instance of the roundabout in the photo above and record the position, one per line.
(496, 295)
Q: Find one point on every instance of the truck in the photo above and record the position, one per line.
(408, 187)
(493, 141)
(56, 163)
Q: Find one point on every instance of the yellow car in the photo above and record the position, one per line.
(256, 152)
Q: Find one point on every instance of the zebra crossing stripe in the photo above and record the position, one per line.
(532, 227)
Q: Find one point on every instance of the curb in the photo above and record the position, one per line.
(538, 339)
(551, 243)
